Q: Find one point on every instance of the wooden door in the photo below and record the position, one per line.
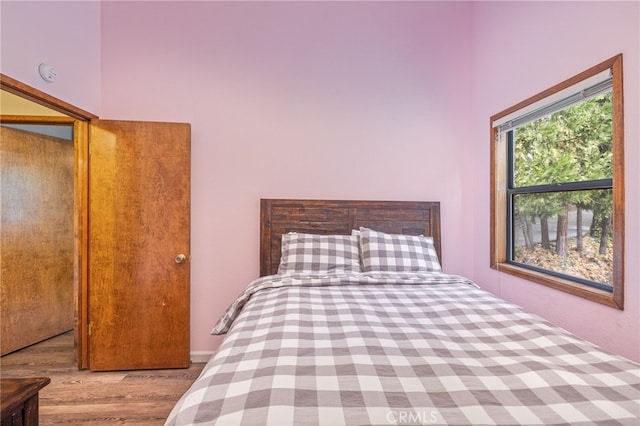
(36, 260)
(139, 219)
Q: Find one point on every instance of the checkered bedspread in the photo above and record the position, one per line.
(401, 349)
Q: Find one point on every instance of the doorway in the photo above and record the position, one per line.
(138, 203)
(24, 105)
(36, 223)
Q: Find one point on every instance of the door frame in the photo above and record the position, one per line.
(79, 118)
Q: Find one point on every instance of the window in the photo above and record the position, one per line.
(557, 194)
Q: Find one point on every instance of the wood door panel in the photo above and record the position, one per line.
(37, 256)
(139, 221)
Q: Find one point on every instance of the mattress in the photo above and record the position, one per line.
(389, 348)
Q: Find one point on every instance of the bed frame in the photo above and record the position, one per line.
(280, 216)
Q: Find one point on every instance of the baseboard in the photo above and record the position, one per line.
(200, 356)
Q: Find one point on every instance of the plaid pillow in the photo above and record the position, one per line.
(304, 253)
(396, 252)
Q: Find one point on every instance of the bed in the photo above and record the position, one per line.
(353, 322)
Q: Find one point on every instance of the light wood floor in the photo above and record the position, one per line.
(96, 398)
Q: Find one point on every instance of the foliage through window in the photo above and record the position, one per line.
(557, 186)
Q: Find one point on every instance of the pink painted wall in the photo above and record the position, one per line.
(62, 33)
(355, 100)
(520, 49)
(368, 100)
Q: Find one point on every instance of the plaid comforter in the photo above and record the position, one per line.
(401, 349)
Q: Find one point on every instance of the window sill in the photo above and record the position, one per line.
(567, 286)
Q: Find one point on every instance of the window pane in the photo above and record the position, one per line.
(565, 232)
(571, 145)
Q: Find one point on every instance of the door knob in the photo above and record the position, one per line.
(180, 258)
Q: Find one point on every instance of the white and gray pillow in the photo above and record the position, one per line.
(316, 253)
(380, 251)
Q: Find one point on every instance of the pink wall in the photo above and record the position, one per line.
(368, 100)
(295, 99)
(70, 42)
(520, 49)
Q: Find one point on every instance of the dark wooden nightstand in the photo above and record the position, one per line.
(19, 400)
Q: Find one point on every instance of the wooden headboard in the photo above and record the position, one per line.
(279, 217)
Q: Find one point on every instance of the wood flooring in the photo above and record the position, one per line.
(80, 397)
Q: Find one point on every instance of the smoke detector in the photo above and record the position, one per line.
(47, 72)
